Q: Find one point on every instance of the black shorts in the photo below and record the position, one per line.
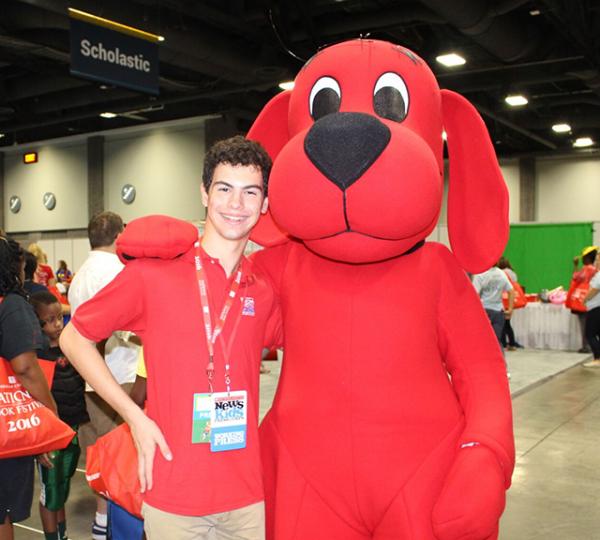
(16, 488)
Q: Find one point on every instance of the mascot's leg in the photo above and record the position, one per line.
(294, 511)
(409, 515)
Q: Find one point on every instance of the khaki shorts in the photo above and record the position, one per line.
(103, 418)
(247, 523)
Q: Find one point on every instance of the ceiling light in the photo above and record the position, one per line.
(286, 85)
(516, 100)
(451, 60)
(582, 142)
(160, 38)
(561, 128)
(1, 135)
(534, 12)
(108, 114)
(444, 135)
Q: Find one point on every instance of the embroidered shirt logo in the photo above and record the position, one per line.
(248, 308)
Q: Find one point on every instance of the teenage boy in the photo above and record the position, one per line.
(203, 317)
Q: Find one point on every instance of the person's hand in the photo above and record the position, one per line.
(508, 314)
(576, 260)
(46, 460)
(147, 436)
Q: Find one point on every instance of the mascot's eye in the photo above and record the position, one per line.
(325, 97)
(390, 97)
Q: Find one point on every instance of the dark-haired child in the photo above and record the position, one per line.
(68, 390)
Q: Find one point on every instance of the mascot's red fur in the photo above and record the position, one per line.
(392, 418)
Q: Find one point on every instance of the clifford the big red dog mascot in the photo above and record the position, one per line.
(392, 419)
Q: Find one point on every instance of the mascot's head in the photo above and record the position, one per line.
(358, 160)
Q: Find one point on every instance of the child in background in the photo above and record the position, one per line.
(63, 274)
(68, 390)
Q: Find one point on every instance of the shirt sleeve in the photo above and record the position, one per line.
(271, 263)
(21, 330)
(274, 327)
(118, 306)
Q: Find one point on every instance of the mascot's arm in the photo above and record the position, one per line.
(473, 497)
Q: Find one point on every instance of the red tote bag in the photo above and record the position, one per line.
(520, 300)
(575, 296)
(26, 426)
(112, 469)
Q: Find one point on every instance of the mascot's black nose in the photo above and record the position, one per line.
(344, 145)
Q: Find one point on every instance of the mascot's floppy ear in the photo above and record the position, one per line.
(477, 196)
(271, 130)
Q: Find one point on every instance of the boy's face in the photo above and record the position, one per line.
(52, 320)
(234, 201)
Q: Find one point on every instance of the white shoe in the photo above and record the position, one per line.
(592, 363)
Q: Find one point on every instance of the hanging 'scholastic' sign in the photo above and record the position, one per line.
(110, 52)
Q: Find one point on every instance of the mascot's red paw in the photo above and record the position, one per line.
(472, 498)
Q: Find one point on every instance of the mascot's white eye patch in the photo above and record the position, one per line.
(325, 97)
(390, 97)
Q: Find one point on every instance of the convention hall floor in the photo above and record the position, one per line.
(557, 477)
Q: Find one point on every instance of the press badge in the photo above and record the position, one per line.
(220, 419)
(201, 418)
(228, 420)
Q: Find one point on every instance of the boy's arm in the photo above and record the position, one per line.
(82, 353)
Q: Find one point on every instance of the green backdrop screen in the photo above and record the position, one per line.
(542, 254)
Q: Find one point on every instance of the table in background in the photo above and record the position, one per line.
(546, 326)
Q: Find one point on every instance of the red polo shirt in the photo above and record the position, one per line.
(159, 301)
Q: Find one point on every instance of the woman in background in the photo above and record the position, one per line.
(20, 338)
(592, 320)
(508, 335)
(44, 273)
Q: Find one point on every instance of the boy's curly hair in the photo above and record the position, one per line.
(236, 151)
(11, 258)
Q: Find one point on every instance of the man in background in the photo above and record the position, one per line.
(120, 354)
